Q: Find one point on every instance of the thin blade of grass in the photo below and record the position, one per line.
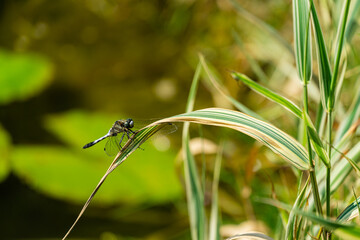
(287, 104)
(214, 225)
(351, 117)
(292, 217)
(194, 194)
(338, 51)
(352, 21)
(301, 15)
(343, 168)
(323, 59)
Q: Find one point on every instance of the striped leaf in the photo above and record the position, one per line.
(214, 225)
(323, 59)
(338, 51)
(350, 212)
(278, 141)
(301, 15)
(284, 102)
(194, 193)
(250, 235)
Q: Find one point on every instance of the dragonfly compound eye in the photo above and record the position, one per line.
(131, 123)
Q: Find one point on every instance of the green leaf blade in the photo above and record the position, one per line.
(323, 59)
(287, 104)
(278, 141)
(302, 39)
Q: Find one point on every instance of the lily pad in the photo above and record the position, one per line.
(22, 75)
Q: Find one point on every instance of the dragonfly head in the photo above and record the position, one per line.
(129, 123)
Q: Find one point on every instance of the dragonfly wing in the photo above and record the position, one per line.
(113, 145)
(168, 128)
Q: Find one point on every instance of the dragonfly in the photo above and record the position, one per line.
(119, 130)
(115, 136)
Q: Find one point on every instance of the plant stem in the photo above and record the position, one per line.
(313, 180)
(328, 172)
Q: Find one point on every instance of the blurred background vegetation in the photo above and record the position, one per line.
(69, 69)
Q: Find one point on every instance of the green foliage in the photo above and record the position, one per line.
(22, 75)
(5, 146)
(287, 104)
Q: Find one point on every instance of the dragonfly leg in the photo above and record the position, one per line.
(122, 137)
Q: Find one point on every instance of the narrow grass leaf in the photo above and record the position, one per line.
(315, 140)
(194, 194)
(338, 51)
(301, 15)
(287, 104)
(278, 141)
(351, 117)
(352, 21)
(214, 225)
(352, 162)
(290, 228)
(323, 59)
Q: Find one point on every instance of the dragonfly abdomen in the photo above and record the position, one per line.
(95, 142)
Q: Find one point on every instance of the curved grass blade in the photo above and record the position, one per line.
(278, 141)
(290, 106)
(343, 168)
(254, 235)
(301, 15)
(350, 212)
